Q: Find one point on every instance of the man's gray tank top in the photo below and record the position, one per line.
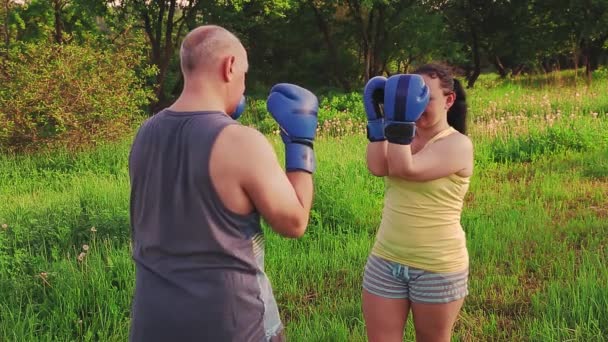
(199, 266)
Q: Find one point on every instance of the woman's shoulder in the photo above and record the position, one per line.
(464, 139)
(462, 146)
(457, 140)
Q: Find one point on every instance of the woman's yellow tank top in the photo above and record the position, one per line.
(421, 222)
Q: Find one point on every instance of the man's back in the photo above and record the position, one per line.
(197, 262)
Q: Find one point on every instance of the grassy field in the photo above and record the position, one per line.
(536, 219)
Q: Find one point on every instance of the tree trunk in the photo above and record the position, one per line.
(499, 67)
(517, 70)
(575, 57)
(167, 52)
(178, 86)
(57, 8)
(546, 66)
(371, 48)
(476, 58)
(379, 38)
(587, 64)
(6, 30)
(594, 56)
(474, 74)
(590, 51)
(371, 24)
(355, 10)
(331, 47)
(162, 46)
(367, 55)
(407, 64)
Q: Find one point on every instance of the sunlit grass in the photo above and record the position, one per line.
(535, 219)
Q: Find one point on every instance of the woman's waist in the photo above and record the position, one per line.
(408, 233)
(421, 217)
(418, 197)
(436, 249)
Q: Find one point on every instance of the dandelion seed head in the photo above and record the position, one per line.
(81, 256)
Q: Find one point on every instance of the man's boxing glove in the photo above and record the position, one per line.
(405, 98)
(295, 110)
(373, 100)
(238, 111)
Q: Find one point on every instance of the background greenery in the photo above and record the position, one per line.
(74, 66)
(535, 219)
(78, 76)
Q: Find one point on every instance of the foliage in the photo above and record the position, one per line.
(64, 20)
(336, 44)
(69, 94)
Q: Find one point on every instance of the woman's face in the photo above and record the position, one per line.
(440, 101)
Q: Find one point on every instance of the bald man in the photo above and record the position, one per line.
(199, 183)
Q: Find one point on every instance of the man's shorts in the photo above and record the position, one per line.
(396, 281)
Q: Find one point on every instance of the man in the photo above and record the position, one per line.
(199, 183)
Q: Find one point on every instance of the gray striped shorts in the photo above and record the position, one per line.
(396, 281)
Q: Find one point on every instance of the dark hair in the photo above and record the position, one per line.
(457, 114)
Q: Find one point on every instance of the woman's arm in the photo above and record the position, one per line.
(376, 158)
(440, 159)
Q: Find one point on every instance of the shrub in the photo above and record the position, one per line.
(69, 95)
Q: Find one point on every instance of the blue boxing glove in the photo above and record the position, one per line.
(373, 99)
(295, 110)
(238, 111)
(405, 99)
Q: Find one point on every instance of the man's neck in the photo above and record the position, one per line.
(198, 100)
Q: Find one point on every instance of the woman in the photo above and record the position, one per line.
(419, 260)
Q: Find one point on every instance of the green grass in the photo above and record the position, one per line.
(535, 217)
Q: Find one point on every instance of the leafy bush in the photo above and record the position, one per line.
(69, 95)
(601, 73)
(257, 116)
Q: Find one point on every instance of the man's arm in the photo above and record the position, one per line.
(283, 199)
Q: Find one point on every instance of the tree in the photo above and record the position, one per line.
(61, 20)
(163, 23)
(324, 13)
(465, 20)
(5, 28)
(585, 25)
(420, 36)
(375, 22)
(512, 35)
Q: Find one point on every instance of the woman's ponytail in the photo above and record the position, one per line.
(457, 114)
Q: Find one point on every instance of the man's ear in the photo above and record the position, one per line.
(228, 68)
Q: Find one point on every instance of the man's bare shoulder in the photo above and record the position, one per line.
(243, 136)
(242, 143)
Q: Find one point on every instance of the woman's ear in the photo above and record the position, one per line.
(450, 99)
